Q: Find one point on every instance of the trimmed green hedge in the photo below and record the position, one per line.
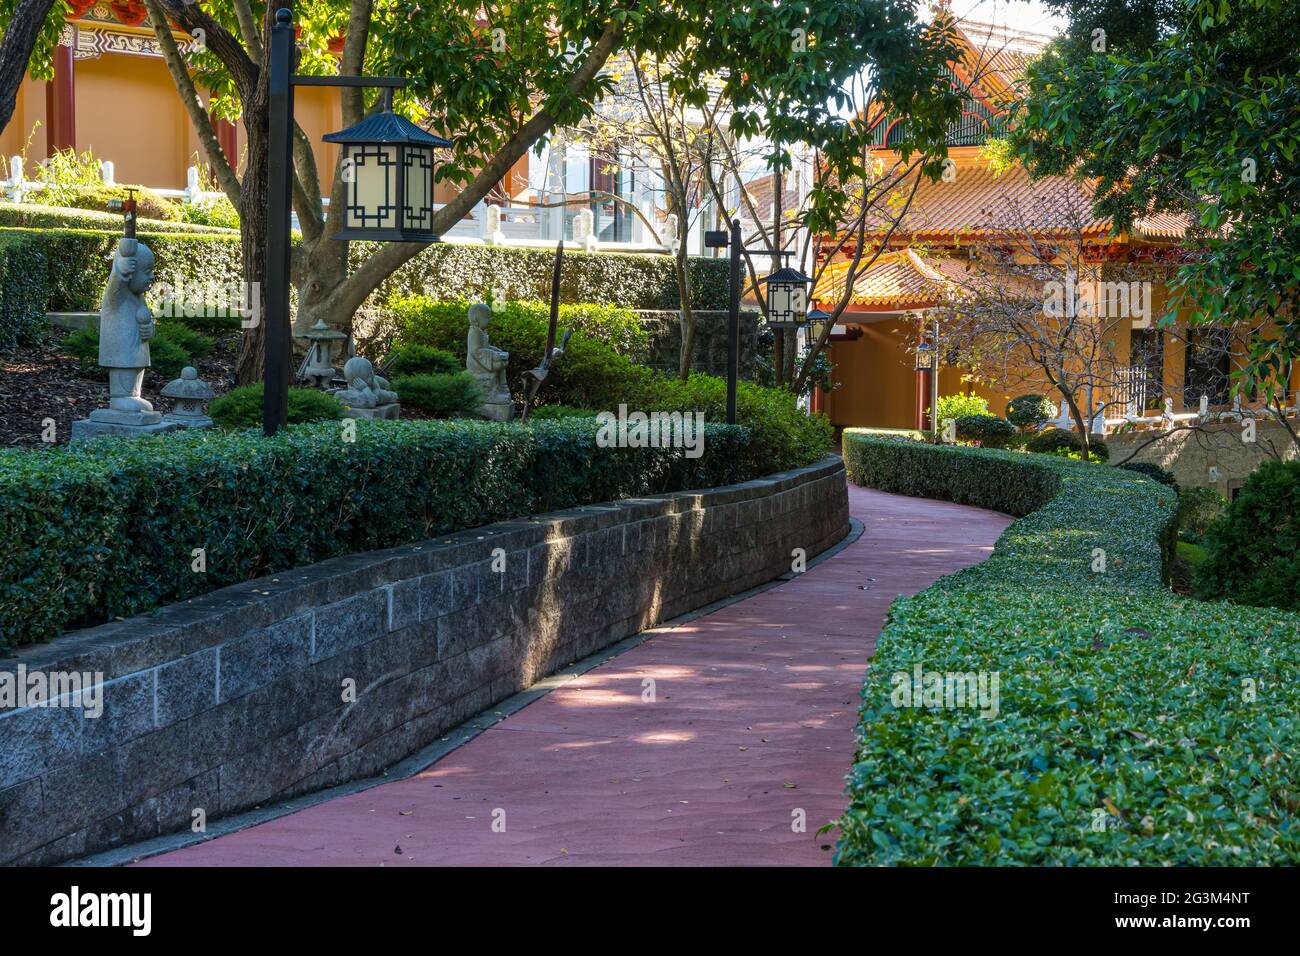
(632, 280)
(109, 529)
(23, 291)
(35, 216)
(1126, 732)
(63, 270)
(76, 267)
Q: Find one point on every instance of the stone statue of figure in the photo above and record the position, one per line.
(488, 366)
(367, 394)
(125, 327)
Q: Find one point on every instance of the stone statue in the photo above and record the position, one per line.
(367, 394)
(488, 366)
(125, 327)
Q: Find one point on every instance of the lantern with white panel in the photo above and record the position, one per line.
(388, 165)
(787, 298)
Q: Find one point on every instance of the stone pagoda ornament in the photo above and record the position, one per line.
(319, 368)
(125, 327)
(488, 366)
(191, 395)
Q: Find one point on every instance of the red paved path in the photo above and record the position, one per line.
(753, 720)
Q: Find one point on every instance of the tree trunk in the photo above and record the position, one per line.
(253, 222)
(686, 314)
(20, 39)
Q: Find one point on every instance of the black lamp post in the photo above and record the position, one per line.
(388, 165)
(787, 300)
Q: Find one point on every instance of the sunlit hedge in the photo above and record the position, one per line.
(1133, 727)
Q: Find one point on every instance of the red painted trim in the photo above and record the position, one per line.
(227, 137)
(61, 103)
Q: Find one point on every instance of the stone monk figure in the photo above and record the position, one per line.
(125, 327)
(488, 366)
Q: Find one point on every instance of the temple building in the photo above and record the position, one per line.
(953, 227)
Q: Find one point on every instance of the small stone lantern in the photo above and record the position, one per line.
(319, 370)
(192, 395)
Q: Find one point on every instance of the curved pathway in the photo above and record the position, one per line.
(750, 729)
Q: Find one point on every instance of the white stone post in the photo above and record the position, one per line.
(108, 173)
(583, 224)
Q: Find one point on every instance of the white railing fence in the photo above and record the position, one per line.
(493, 225)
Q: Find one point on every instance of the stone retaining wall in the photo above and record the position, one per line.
(1211, 457)
(236, 698)
(710, 355)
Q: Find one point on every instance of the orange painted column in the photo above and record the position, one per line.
(60, 103)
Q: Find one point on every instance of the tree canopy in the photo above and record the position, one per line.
(1189, 107)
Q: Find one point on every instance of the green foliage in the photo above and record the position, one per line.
(107, 528)
(97, 198)
(988, 431)
(1030, 411)
(1194, 110)
(958, 406)
(480, 273)
(589, 374)
(442, 395)
(412, 358)
(242, 407)
(1115, 696)
(592, 374)
(23, 292)
(1154, 472)
(1067, 444)
(1254, 550)
(173, 346)
(1198, 509)
(33, 216)
(217, 213)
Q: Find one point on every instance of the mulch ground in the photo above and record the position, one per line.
(44, 381)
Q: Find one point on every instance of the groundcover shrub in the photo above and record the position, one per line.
(1133, 727)
(109, 529)
(242, 407)
(442, 395)
(988, 431)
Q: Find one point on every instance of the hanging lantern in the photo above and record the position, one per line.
(817, 321)
(787, 298)
(388, 165)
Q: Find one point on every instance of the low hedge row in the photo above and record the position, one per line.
(23, 292)
(1134, 727)
(110, 529)
(36, 216)
(63, 270)
(632, 280)
(76, 266)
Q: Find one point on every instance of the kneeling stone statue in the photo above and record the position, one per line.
(125, 327)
